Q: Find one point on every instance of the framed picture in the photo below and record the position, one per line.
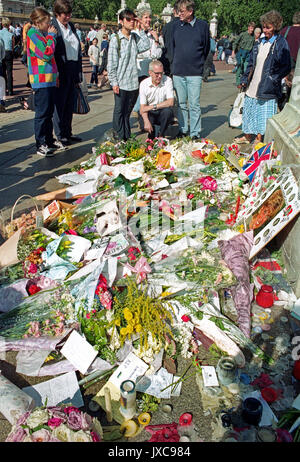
(271, 211)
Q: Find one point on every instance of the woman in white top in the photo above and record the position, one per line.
(269, 63)
(94, 54)
(155, 51)
(69, 65)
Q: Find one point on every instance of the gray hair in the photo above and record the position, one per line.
(155, 62)
(143, 10)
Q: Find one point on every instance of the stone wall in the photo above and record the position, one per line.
(284, 128)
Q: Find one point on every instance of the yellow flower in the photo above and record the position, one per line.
(129, 329)
(127, 314)
(118, 322)
(138, 328)
(123, 331)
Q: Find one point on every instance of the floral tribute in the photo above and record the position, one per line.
(55, 424)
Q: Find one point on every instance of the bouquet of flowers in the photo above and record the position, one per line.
(55, 424)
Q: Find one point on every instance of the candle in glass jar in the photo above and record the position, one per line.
(128, 399)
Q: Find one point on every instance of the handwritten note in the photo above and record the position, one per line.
(79, 352)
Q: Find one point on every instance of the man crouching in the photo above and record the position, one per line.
(157, 100)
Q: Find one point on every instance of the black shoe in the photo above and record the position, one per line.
(205, 80)
(75, 138)
(65, 141)
(195, 138)
(182, 135)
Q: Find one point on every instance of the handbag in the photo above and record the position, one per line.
(81, 105)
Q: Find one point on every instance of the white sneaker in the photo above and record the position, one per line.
(44, 151)
(57, 146)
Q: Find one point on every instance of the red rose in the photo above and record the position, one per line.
(33, 289)
(185, 318)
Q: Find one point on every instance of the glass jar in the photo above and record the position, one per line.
(226, 370)
(128, 399)
(265, 296)
(252, 411)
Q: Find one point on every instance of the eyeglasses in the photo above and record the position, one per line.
(130, 19)
(158, 73)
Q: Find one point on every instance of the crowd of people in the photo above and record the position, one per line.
(148, 70)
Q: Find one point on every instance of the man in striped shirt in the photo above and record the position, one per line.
(122, 70)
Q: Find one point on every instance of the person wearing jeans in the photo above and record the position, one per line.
(94, 54)
(122, 70)
(187, 66)
(42, 69)
(7, 63)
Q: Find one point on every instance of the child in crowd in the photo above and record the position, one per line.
(42, 70)
(94, 54)
(103, 66)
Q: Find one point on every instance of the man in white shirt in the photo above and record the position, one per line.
(157, 100)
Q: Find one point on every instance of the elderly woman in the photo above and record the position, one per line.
(269, 63)
(155, 51)
(69, 64)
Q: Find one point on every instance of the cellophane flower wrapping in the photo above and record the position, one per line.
(54, 424)
(236, 253)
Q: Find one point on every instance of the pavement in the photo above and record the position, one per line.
(22, 171)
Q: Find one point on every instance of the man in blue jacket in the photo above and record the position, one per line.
(190, 47)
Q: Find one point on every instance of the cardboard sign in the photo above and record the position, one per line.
(272, 210)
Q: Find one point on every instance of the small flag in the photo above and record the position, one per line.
(250, 167)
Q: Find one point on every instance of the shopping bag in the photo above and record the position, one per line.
(236, 114)
(81, 105)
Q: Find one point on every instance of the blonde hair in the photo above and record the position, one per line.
(6, 22)
(39, 14)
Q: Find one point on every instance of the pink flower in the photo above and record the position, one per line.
(172, 168)
(190, 196)
(81, 171)
(22, 419)
(17, 436)
(88, 315)
(33, 268)
(185, 318)
(54, 422)
(95, 437)
(71, 231)
(208, 183)
(79, 421)
(69, 409)
(41, 436)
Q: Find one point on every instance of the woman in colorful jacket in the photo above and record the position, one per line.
(42, 72)
(269, 63)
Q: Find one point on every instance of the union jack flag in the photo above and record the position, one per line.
(257, 157)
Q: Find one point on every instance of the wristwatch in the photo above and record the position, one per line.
(154, 107)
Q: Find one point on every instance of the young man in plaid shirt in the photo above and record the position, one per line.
(122, 70)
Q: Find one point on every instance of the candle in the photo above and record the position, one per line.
(128, 399)
(108, 404)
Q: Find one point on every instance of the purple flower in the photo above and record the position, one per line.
(22, 419)
(17, 436)
(79, 421)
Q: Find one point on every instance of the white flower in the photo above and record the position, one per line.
(81, 437)
(63, 433)
(37, 417)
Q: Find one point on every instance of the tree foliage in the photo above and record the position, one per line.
(233, 15)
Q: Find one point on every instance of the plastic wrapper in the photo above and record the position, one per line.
(236, 253)
(13, 401)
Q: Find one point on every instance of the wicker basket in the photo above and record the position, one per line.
(24, 214)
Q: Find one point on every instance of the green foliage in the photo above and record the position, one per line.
(233, 15)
